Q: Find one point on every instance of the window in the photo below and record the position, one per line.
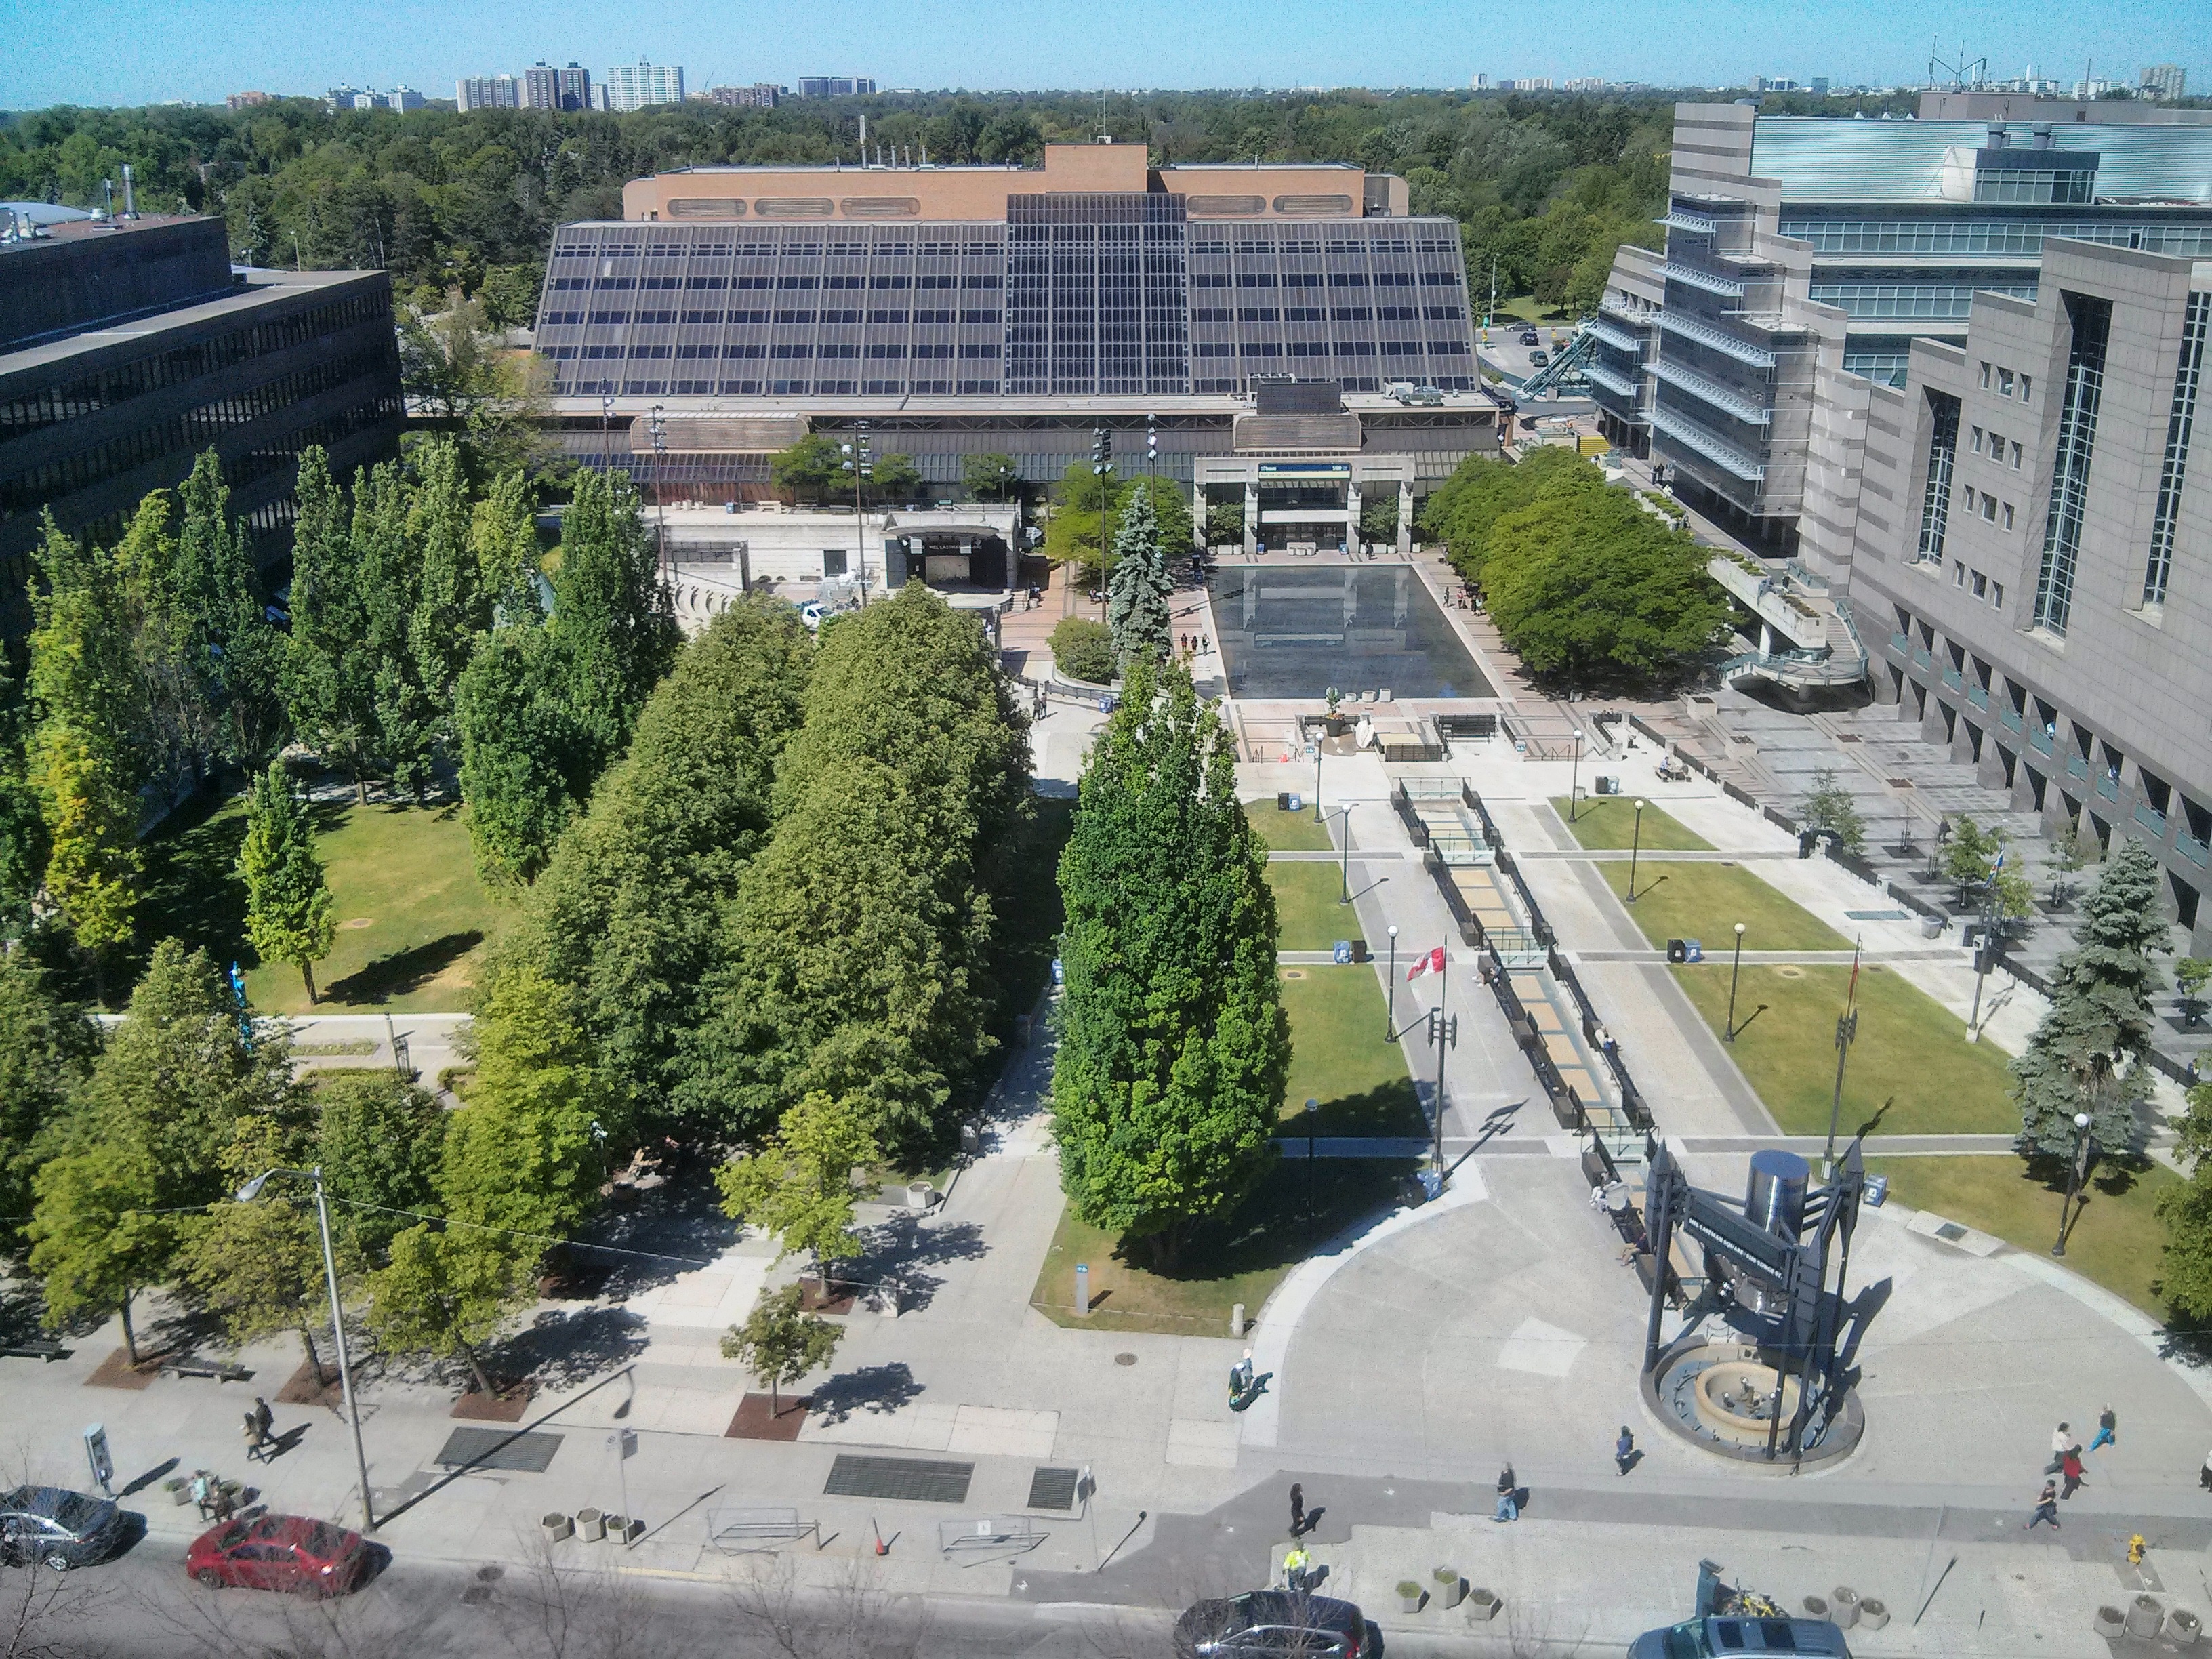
(2004, 383)
(833, 561)
(2008, 515)
(1985, 377)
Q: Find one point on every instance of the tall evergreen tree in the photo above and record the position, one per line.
(390, 569)
(612, 613)
(330, 673)
(523, 756)
(629, 911)
(227, 637)
(1174, 1050)
(1137, 599)
(287, 902)
(2089, 1053)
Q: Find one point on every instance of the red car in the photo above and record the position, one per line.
(279, 1552)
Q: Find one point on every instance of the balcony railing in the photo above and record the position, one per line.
(2151, 819)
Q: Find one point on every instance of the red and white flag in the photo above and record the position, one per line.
(1429, 962)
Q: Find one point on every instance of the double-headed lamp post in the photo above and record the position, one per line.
(1729, 1035)
(1635, 846)
(2073, 1177)
(246, 1194)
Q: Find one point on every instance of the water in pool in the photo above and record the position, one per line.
(1292, 632)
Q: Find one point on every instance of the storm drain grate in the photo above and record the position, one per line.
(498, 1449)
(915, 1479)
(1053, 1489)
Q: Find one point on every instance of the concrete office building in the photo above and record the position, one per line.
(129, 347)
(966, 310)
(2034, 551)
(641, 85)
(544, 86)
(488, 92)
(1806, 255)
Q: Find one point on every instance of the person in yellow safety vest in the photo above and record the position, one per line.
(1295, 1562)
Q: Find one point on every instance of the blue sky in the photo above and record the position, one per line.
(134, 52)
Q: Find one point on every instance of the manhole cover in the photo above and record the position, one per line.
(916, 1480)
(1125, 1360)
(1053, 1489)
(1950, 1230)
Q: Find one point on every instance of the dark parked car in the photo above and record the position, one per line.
(279, 1552)
(1275, 1624)
(60, 1528)
(1723, 1638)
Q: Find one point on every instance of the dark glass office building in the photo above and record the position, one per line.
(127, 347)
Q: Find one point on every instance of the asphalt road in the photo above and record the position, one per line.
(143, 1606)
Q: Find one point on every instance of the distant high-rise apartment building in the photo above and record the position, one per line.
(636, 86)
(2167, 80)
(762, 95)
(488, 92)
(836, 86)
(544, 86)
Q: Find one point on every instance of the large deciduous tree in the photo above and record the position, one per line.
(288, 902)
(2089, 1053)
(1173, 1046)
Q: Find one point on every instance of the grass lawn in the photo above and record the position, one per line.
(411, 915)
(1241, 1257)
(1609, 821)
(1289, 832)
(1706, 900)
(1306, 910)
(1912, 1070)
(1341, 1057)
(2118, 1243)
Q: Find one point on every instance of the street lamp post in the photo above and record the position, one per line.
(1729, 1035)
(246, 1194)
(1390, 990)
(1635, 846)
(1575, 777)
(2074, 1173)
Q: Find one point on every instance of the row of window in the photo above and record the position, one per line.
(194, 429)
(104, 388)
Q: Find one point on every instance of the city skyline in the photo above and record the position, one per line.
(121, 52)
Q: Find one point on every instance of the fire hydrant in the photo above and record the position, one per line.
(2136, 1548)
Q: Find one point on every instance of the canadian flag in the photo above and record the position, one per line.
(1429, 962)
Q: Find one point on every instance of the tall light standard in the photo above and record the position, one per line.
(1390, 992)
(1635, 846)
(246, 1194)
(1575, 778)
(1729, 1035)
(2074, 1175)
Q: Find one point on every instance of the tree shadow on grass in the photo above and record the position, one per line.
(404, 971)
(1272, 1228)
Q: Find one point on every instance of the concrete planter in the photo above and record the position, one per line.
(558, 1527)
(2183, 1627)
(1873, 1614)
(1844, 1606)
(1481, 1605)
(2145, 1617)
(591, 1524)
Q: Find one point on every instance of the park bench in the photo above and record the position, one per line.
(756, 1531)
(191, 1366)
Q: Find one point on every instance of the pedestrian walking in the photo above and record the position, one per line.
(1297, 1510)
(2107, 1424)
(2046, 1507)
(1509, 1487)
(2070, 1465)
(1624, 1449)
